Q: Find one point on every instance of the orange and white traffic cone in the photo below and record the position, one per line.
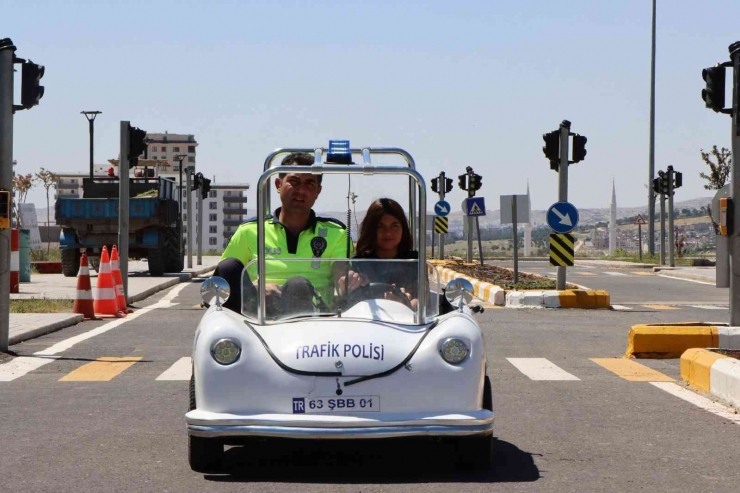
(115, 268)
(84, 298)
(106, 303)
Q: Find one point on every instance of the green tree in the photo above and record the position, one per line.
(720, 165)
(48, 179)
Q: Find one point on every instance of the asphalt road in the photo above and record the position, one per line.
(594, 432)
(633, 286)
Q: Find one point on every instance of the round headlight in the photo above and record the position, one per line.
(226, 351)
(454, 351)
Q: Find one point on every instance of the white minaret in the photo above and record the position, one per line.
(613, 222)
(528, 227)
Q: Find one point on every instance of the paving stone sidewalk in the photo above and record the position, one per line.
(24, 326)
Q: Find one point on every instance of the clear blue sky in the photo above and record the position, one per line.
(455, 83)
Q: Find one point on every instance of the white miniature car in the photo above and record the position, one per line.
(360, 367)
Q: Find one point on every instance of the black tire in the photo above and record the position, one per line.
(173, 259)
(70, 262)
(487, 395)
(204, 454)
(155, 259)
(475, 453)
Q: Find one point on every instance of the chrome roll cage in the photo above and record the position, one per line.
(417, 220)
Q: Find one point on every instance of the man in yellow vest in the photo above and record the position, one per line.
(294, 231)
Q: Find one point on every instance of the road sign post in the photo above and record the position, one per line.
(514, 209)
(7, 55)
(639, 221)
(441, 185)
(563, 184)
(471, 182)
(124, 164)
(671, 235)
(735, 180)
(722, 265)
(189, 198)
(661, 197)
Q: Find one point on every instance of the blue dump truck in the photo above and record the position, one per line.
(89, 223)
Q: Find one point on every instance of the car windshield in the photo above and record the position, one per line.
(368, 289)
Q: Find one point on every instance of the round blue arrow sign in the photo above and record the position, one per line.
(562, 217)
(442, 208)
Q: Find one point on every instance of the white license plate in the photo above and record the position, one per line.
(349, 404)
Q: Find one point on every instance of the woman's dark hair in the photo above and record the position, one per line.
(368, 240)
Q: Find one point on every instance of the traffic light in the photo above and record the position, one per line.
(475, 182)
(197, 180)
(461, 182)
(448, 185)
(205, 186)
(136, 144)
(435, 185)
(552, 145)
(31, 91)
(677, 179)
(579, 148)
(656, 185)
(714, 94)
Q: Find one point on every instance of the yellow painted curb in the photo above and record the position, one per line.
(696, 366)
(669, 340)
(482, 290)
(581, 298)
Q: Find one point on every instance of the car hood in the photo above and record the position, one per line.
(339, 345)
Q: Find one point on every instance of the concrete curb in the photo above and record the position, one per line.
(663, 341)
(73, 319)
(712, 372)
(185, 276)
(686, 277)
(482, 290)
(568, 298)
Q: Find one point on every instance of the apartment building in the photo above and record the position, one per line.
(223, 210)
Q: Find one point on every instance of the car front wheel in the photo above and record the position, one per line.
(204, 454)
(475, 453)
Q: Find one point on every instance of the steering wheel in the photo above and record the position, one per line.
(375, 290)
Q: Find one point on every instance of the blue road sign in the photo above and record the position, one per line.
(562, 217)
(475, 206)
(442, 208)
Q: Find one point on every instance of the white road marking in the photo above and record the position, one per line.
(687, 280)
(699, 401)
(615, 273)
(621, 307)
(709, 307)
(23, 365)
(540, 369)
(181, 370)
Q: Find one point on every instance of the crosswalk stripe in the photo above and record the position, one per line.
(621, 307)
(101, 370)
(708, 307)
(699, 401)
(540, 369)
(581, 273)
(22, 365)
(661, 307)
(631, 370)
(181, 370)
(614, 273)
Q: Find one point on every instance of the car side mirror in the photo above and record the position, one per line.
(215, 287)
(460, 290)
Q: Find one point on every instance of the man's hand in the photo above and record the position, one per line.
(352, 281)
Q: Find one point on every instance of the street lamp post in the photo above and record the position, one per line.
(651, 165)
(90, 115)
(180, 158)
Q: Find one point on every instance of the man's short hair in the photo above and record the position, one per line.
(298, 159)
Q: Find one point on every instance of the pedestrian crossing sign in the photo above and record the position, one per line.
(474, 206)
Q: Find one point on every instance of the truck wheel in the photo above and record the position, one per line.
(156, 261)
(70, 262)
(173, 259)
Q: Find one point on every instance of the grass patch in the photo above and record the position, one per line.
(41, 306)
(42, 255)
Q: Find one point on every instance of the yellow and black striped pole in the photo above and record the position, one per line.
(561, 250)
